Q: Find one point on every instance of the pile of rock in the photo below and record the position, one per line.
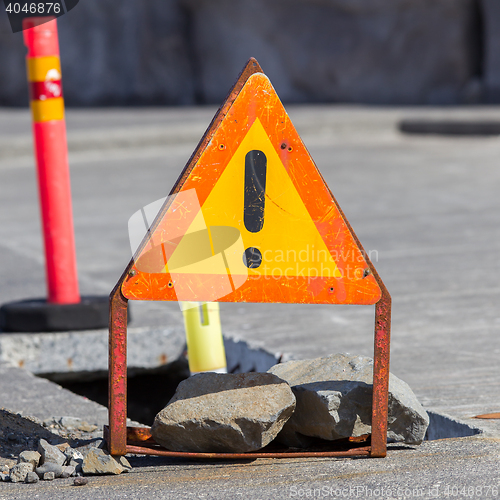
(63, 461)
(296, 402)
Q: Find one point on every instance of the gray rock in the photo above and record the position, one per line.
(49, 467)
(50, 453)
(4, 477)
(93, 443)
(124, 463)
(213, 412)
(334, 400)
(68, 471)
(31, 477)
(62, 447)
(80, 481)
(99, 461)
(74, 458)
(19, 472)
(30, 457)
(49, 476)
(70, 453)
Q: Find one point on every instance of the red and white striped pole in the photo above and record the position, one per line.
(64, 309)
(51, 151)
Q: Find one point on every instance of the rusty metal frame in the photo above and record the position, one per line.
(122, 440)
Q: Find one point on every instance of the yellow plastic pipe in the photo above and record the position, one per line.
(204, 337)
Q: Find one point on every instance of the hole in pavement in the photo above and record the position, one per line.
(150, 390)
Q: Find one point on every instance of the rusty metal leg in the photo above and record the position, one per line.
(117, 373)
(381, 375)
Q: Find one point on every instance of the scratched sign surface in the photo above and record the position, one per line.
(251, 219)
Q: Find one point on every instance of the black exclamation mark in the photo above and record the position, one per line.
(254, 202)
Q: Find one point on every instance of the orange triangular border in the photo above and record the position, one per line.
(143, 286)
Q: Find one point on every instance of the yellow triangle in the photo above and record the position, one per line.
(289, 241)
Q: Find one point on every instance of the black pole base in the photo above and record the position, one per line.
(38, 315)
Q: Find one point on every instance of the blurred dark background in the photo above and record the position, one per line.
(184, 52)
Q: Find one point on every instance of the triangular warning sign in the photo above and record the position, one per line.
(251, 219)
